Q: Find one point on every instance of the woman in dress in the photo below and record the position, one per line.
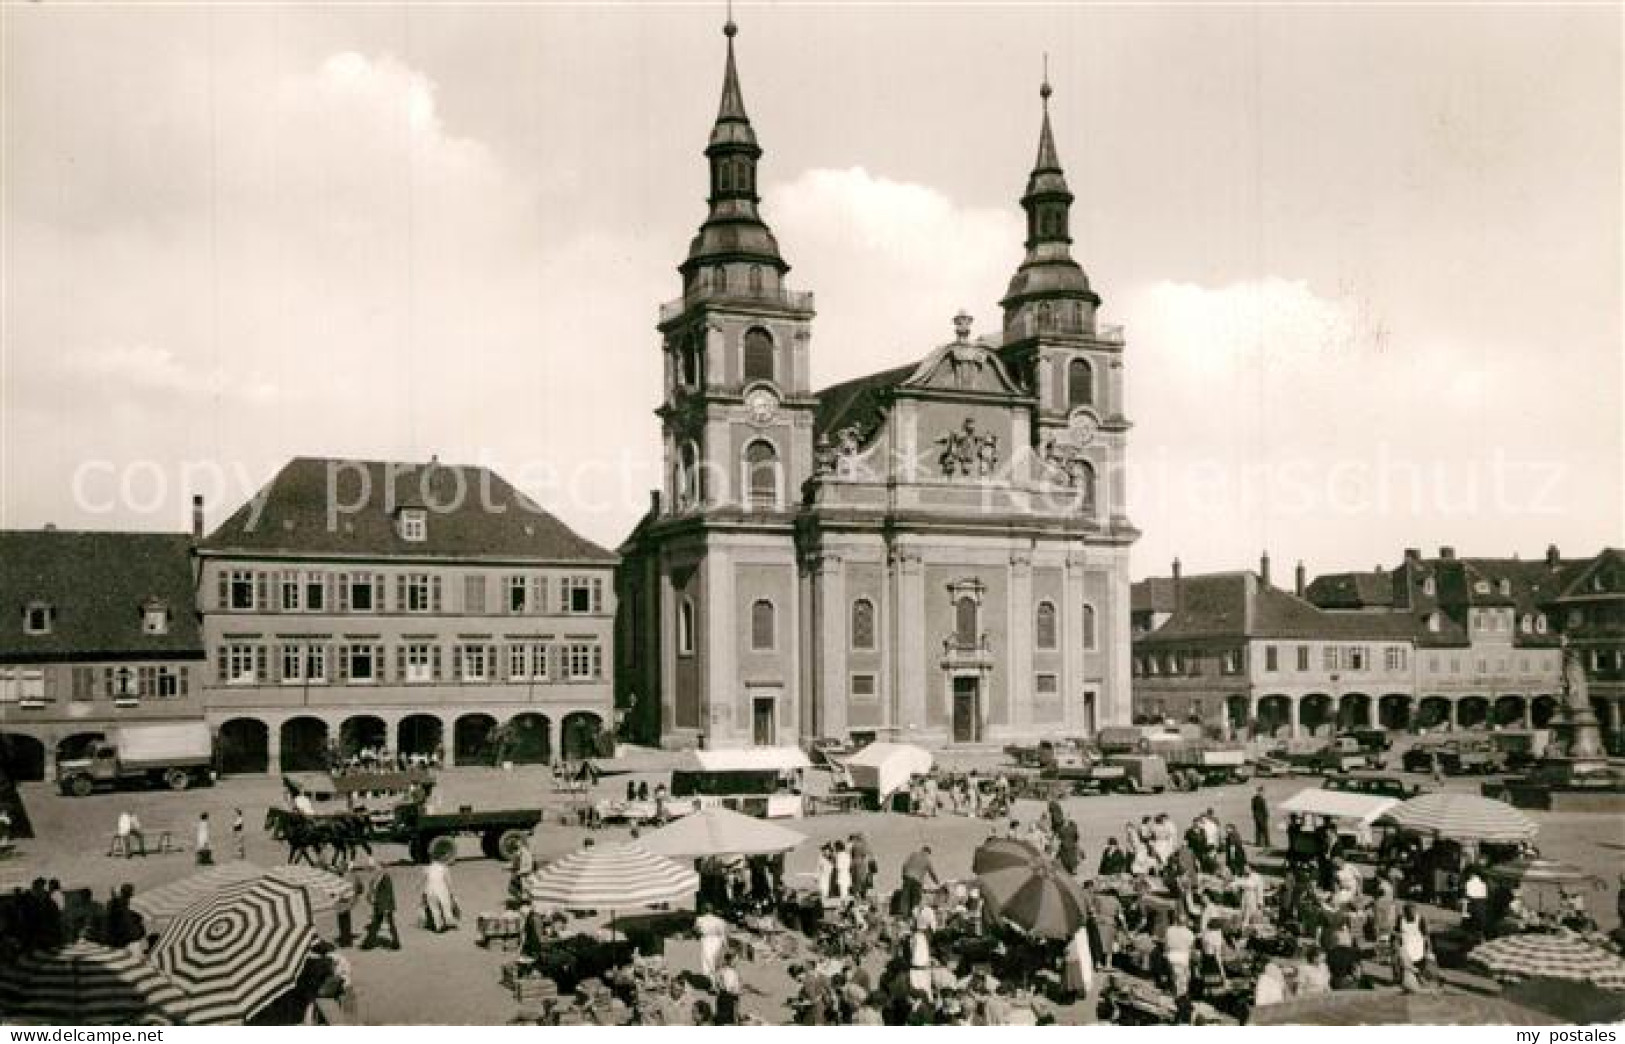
(826, 873)
(1078, 967)
(843, 871)
(440, 908)
(1413, 937)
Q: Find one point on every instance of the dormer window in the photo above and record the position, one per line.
(1433, 622)
(1540, 623)
(38, 618)
(413, 525)
(1504, 586)
(1429, 588)
(1481, 587)
(154, 617)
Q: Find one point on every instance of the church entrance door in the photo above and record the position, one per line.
(967, 710)
(763, 721)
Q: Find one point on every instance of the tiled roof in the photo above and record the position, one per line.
(1154, 594)
(861, 401)
(1373, 590)
(1239, 606)
(1609, 565)
(95, 585)
(349, 507)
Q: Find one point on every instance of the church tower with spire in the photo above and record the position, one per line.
(1073, 364)
(736, 419)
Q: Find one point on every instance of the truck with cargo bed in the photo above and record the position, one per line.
(177, 755)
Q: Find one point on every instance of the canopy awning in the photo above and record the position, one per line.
(1360, 809)
(887, 767)
(751, 759)
(629, 759)
(719, 832)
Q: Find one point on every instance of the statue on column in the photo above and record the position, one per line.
(1581, 734)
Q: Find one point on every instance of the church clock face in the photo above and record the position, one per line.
(762, 406)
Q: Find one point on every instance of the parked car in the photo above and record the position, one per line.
(824, 752)
(1372, 740)
(1454, 758)
(1378, 786)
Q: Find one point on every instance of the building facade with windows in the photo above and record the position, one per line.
(1487, 637)
(936, 552)
(1243, 658)
(97, 630)
(421, 607)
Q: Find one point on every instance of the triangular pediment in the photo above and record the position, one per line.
(965, 367)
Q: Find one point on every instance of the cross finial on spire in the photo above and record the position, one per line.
(1044, 89)
(729, 29)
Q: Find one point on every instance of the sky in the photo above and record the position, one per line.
(1368, 258)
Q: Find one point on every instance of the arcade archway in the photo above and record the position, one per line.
(304, 745)
(473, 740)
(245, 746)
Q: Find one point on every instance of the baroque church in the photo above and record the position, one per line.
(936, 553)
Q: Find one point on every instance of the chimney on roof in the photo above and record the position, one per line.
(1176, 584)
(50, 527)
(197, 516)
(1554, 558)
(1264, 569)
(654, 502)
(1300, 579)
(1413, 554)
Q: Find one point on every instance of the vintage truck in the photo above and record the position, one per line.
(177, 755)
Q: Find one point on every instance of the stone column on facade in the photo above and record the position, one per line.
(1019, 654)
(1452, 712)
(719, 681)
(909, 685)
(1292, 716)
(829, 581)
(666, 625)
(1372, 718)
(273, 747)
(1115, 704)
(1252, 714)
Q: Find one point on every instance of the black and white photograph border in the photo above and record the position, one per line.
(812, 514)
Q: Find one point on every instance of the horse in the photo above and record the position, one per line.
(305, 836)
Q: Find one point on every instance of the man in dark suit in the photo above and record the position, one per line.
(383, 909)
(1261, 819)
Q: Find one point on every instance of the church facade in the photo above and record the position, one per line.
(935, 554)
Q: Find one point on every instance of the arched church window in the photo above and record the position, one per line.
(1086, 487)
(691, 357)
(1044, 630)
(689, 474)
(685, 628)
(967, 632)
(756, 280)
(758, 355)
(763, 626)
(863, 624)
(725, 176)
(1046, 318)
(1089, 638)
(742, 176)
(762, 474)
(721, 280)
(1080, 384)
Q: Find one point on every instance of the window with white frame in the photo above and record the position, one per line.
(763, 626)
(414, 525)
(584, 594)
(473, 663)
(316, 664)
(293, 664)
(1394, 658)
(1272, 658)
(241, 589)
(363, 663)
(415, 588)
(24, 686)
(38, 617)
(155, 618)
(1090, 638)
(169, 683)
(517, 589)
(361, 600)
(1357, 657)
(290, 591)
(583, 660)
(1231, 661)
(419, 663)
(1540, 623)
(1328, 658)
(241, 663)
(1303, 657)
(315, 592)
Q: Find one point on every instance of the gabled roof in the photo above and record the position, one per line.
(95, 585)
(1606, 570)
(1372, 590)
(957, 369)
(1239, 606)
(860, 402)
(1154, 594)
(351, 507)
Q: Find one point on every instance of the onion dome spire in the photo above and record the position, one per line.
(1049, 284)
(733, 231)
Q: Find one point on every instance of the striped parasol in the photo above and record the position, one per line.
(1557, 955)
(1029, 890)
(87, 984)
(1462, 817)
(160, 906)
(1534, 870)
(1392, 1007)
(238, 950)
(613, 877)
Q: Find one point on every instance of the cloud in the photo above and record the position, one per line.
(891, 262)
